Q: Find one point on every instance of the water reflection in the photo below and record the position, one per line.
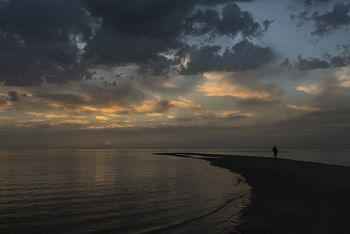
(75, 191)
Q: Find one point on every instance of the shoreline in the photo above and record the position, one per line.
(289, 196)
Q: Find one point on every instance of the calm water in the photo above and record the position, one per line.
(127, 191)
(116, 191)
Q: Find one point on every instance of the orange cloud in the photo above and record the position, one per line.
(152, 108)
(312, 89)
(224, 89)
(56, 116)
(4, 105)
(73, 121)
(226, 113)
(30, 121)
(102, 117)
(34, 113)
(78, 117)
(113, 125)
(154, 114)
(185, 103)
(304, 108)
(70, 108)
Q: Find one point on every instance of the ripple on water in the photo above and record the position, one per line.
(109, 191)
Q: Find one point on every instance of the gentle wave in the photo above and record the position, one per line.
(195, 219)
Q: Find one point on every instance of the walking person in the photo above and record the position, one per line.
(275, 151)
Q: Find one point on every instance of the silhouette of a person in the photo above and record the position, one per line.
(275, 151)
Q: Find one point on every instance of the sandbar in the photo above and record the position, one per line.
(289, 196)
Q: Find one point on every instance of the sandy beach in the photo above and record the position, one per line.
(290, 196)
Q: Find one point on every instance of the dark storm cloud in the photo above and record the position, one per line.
(242, 56)
(13, 96)
(307, 2)
(111, 49)
(267, 23)
(310, 2)
(224, 119)
(108, 47)
(150, 18)
(232, 21)
(38, 41)
(330, 21)
(215, 2)
(312, 63)
(138, 33)
(316, 63)
(286, 63)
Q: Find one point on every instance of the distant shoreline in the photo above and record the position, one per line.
(289, 196)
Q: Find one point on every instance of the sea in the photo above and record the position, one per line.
(127, 191)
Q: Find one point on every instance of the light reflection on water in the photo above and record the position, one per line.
(115, 191)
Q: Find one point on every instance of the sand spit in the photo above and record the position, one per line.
(290, 196)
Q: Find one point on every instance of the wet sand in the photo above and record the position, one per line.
(290, 196)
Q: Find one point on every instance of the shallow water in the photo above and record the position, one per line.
(116, 191)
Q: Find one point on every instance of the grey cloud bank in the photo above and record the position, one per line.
(40, 39)
(173, 74)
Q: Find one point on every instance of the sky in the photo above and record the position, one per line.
(174, 74)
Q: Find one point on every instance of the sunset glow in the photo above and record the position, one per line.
(176, 74)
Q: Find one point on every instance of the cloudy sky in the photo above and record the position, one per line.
(174, 74)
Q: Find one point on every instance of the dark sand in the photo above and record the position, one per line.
(290, 196)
